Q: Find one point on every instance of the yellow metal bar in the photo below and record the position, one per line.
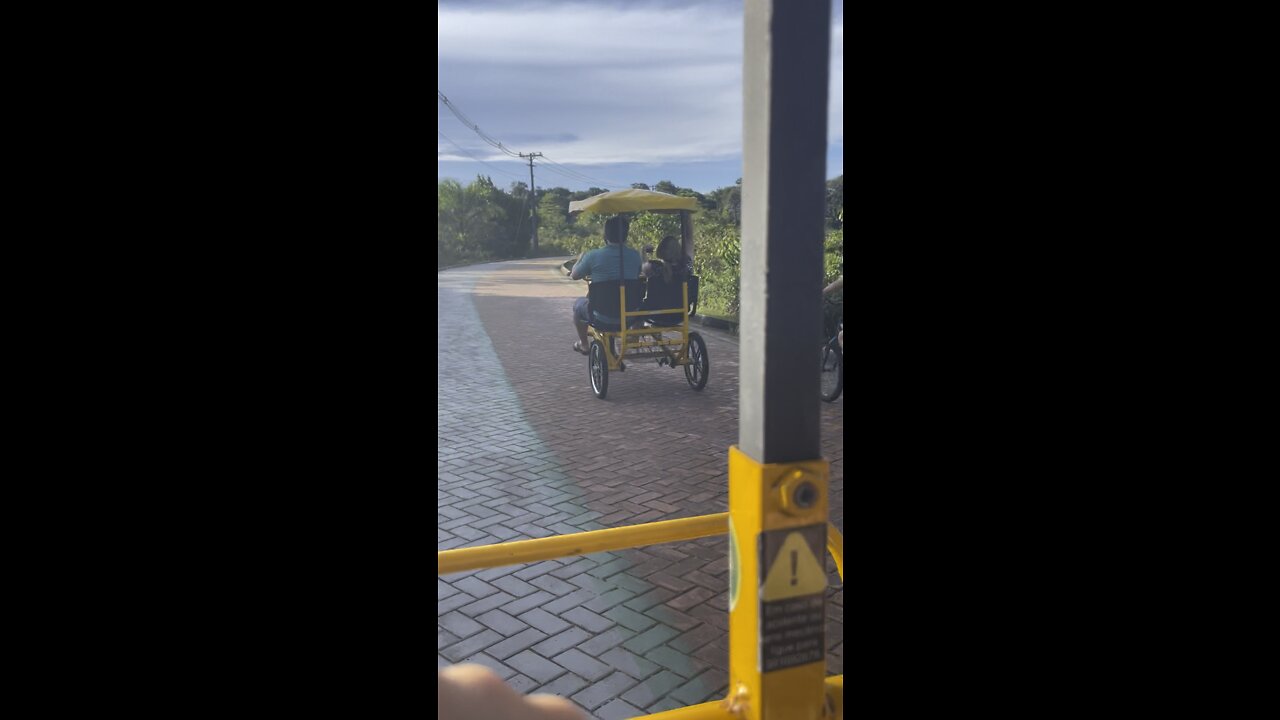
(673, 329)
(615, 362)
(717, 710)
(684, 325)
(656, 349)
(583, 543)
(777, 588)
(720, 709)
(652, 351)
(835, 545)
(655, 331)
(654, 343)
(835, 696)
(611, 359)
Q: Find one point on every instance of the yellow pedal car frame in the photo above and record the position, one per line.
(609, 348)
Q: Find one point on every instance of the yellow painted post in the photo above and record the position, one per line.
(777, 588)
(835, 696)
(622, 321)
(684, 327)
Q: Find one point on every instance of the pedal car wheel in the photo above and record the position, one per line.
(598, 365)
(699, 366)
(832, 378)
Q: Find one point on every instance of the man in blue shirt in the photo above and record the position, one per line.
(602, 264)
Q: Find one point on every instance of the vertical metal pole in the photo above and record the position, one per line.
(777, 481)
(533, 200)
(783, 209)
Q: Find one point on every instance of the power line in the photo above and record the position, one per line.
(590, 181)
(583, 176)
(563, 174)
(533, 214)
(563, 170)
(524, 206)
(468, 122)
(473, 157)
(568, 169)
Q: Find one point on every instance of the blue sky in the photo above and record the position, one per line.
(617, 91)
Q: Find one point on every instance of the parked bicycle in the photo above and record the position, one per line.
(832, 378)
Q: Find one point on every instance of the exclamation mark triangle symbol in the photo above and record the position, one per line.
(795, 571)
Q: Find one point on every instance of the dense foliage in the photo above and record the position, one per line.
(480, 221)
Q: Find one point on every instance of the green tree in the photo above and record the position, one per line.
(492, 234)
(469, 221)
(584, 194)
(480, 221)
(552, 216)
(835, 203)
(727, 203)
(718, 261)
(832, 256)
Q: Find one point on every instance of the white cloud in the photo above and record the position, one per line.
(592, 84)
(578, 35)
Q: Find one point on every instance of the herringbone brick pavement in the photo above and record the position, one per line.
(524, 450)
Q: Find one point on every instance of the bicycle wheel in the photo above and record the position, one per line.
(699, 366)
(832, 378)
(598, 365)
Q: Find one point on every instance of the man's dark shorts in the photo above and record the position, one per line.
(581, 313)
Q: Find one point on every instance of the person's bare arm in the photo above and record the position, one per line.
(575, 273)
(474, 692)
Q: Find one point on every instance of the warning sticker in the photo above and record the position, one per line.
(793, 568)
(793, 607)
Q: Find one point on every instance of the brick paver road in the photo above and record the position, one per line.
(525, 451)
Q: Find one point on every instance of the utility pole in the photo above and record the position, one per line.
(533, 200)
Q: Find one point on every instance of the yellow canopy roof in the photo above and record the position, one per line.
(625, 201)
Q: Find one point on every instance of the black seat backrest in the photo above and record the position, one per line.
(662, 296)
(603, 296)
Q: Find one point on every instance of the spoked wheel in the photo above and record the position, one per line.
(832, 378)
(699, 366)
(598, 364)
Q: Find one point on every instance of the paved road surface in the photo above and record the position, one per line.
(525, 450)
